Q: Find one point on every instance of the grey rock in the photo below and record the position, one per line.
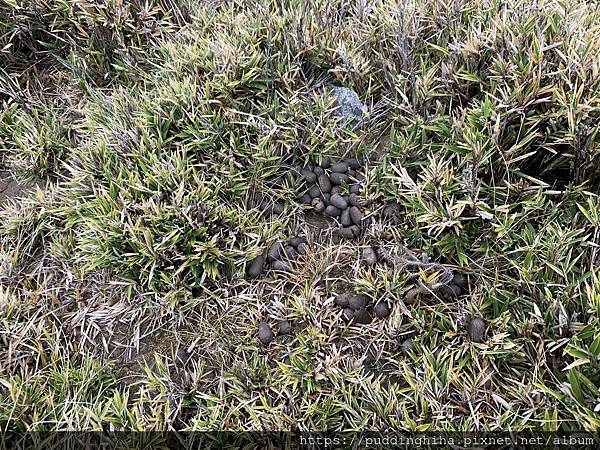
(348, 104)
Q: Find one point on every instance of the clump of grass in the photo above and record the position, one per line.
(36, 140)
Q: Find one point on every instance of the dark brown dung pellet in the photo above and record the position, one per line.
(284, 327)
(355, 215)
(296, 241)
(314, 191)
(345, 219)
(345, 233)
(318, 170)
(290, 251)
(348, 314)
(309, 175)
(332, 211)
(460, 280)
(362, 316)
(277, 208)
(305, 199)
(338, 178)
(450, 291)
(477, 329)
(392, 211)
(357, 301)
(326, 162)
(275, 251)
(336, 190)
(411, 296)
(264, 333)
(341, 300)
(354, 163)
(302, 248)
(355, 230)
(355, 188)
(280, 265)
(257, 266)
(338, 201)
(324, 183)
(353, 199)
(339, 167)
(408, 346)
(381, 310)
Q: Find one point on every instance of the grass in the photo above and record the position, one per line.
(150, 129)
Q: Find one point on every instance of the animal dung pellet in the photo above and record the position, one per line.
(257, 266)
(264, 333)
(477, 329)
(381, 309)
